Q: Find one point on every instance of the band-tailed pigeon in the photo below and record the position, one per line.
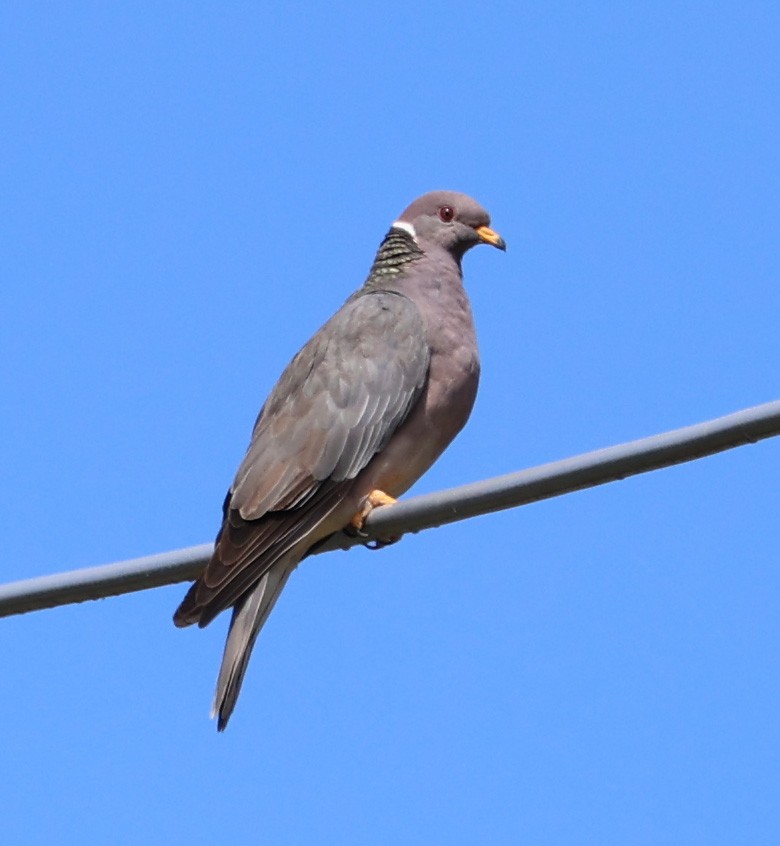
(360, 413)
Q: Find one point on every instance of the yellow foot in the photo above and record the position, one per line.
(374, 500)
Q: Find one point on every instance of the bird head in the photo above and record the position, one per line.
(450, 220)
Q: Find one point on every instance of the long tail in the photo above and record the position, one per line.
(249, 615)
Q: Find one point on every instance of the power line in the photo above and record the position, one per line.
(422, 512)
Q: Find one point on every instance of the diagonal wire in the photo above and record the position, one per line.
(423, 512)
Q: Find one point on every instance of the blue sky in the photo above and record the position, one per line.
(188, 191)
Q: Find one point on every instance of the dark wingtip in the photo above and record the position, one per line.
(189, 610)
(183, 618)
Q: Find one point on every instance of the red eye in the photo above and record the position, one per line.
(446, 213)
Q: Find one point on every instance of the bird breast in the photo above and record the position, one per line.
(446, 401)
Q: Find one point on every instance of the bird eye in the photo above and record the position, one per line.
(446, 213)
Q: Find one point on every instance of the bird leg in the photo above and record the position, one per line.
(374, 500)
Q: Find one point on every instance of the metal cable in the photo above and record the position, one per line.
(422, 512)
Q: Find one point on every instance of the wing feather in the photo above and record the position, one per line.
(336, 405)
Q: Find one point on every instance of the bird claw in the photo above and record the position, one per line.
(367, 541)
(355, 526)
(380, 543)
(353, 531)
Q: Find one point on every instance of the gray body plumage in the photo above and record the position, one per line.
(368, 404)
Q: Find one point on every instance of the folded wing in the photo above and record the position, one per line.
(336, 406)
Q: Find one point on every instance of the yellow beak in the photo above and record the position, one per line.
(491, 237)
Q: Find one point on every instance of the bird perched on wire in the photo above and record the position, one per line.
(360, 413)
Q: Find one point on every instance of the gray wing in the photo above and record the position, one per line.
(336, 405)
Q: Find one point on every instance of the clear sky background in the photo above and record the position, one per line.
(188, 191)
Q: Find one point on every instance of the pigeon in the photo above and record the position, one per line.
(359, 414)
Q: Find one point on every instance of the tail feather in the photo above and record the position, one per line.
(249, 615)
